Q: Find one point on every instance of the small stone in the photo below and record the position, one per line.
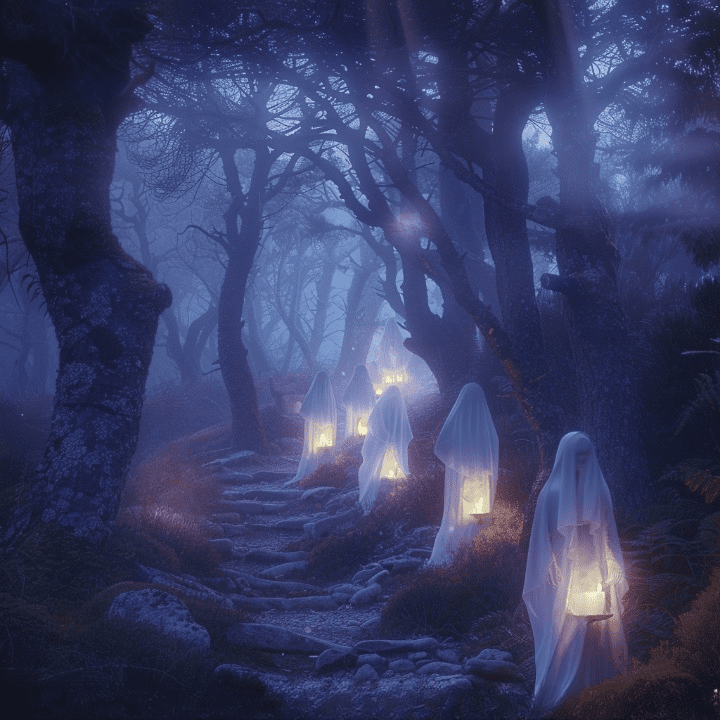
(439, 668)
(377, 661)
(495, 654)
(344, 588)
(402, 666)
(331, 660)
(371, 624)
(366, 673)
(366, 596)
(448, 655)
(415, 656)
(362, 576)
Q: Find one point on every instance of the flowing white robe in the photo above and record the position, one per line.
(319, 411)
(574, 519)
(359, 401)
(388, 428)
(468, 446)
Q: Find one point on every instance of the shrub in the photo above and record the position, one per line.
(484, 577)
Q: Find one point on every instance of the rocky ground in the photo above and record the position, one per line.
(317, 648)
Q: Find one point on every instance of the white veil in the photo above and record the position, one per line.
(468, 446)
(573, 518)
(388, 426)
(320, 414)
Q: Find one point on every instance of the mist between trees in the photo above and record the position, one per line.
(250, 189)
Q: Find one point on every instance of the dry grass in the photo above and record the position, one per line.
(484, 578)
(165, 506)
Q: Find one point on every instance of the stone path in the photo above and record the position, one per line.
(324, 641)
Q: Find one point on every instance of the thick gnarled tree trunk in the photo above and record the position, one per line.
(103, 304)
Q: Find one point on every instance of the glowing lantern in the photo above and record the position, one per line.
(320, 414)
(320, 437)
(390, 467)
(384, 451)
(359, 401)
(468, 446)
(475, 495)
(392, 360)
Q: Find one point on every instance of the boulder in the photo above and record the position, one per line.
(162, 612)
(331, 660)
(377, 661)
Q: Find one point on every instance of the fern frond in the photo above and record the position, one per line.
(706, 402)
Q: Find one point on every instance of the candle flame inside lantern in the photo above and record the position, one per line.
(390, 465)
(362, 427)
(475, 495)
(322, 437)
(583, 600)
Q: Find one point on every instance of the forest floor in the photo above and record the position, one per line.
(313, 610)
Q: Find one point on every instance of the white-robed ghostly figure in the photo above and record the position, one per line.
(385, 450)
(359, 401)
(468, 446)
(575, 579)
(320, 414)
(392, 359)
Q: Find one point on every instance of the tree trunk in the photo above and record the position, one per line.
(247, 432)
(587, 264)
(103, 304)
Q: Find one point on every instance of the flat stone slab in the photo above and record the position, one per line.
(293, 523)
(271, 638)
(275, 557)
(285, 569)
(261, 604)
(253, 507)
(317, 494)
(401, 563)
(384, 647)
(265, 585)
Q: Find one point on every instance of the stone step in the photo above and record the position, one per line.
(271, 638)
(285, 569)
(265, 585)
(261, 604)
(253, 507)
(275, 557)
